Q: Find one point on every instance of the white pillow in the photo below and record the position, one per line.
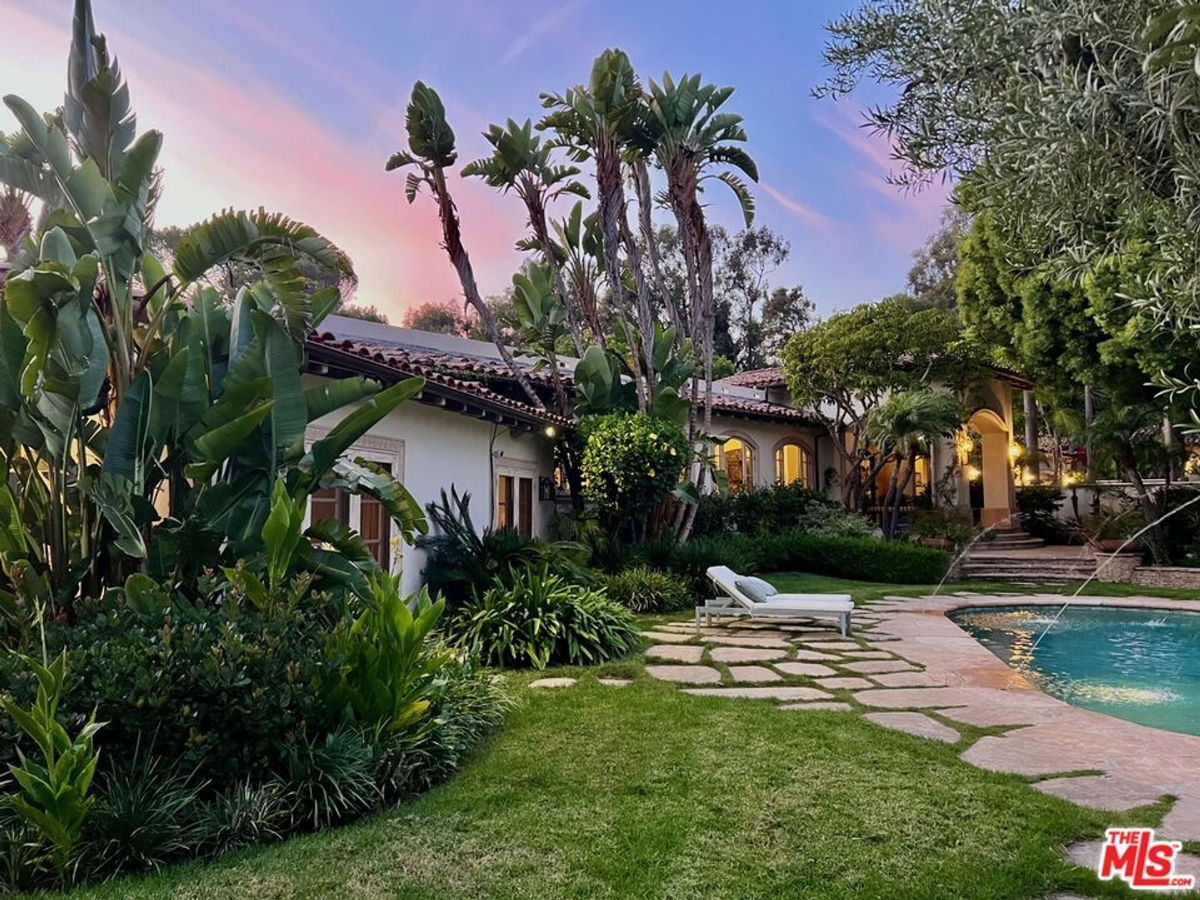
(756, 589)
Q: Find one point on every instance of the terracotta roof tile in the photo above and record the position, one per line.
(432, 368)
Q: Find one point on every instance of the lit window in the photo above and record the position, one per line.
(514, 503)
(792, 465)
(736, 459)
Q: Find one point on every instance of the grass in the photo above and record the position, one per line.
(645, 792)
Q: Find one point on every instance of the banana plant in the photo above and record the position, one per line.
(143, 422)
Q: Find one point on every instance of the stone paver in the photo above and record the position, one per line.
(1031, 757)
(751, 674)
(750, 640)
(745, 654)
(916, 698)
(908, 679)
(830, 705)
(1087, 854)
(1183, 820)
(815, 655)
(805, 669)
(869, 654)
(685, 674)
(552, 683)
(834, 645)
(762, 693)
(915, 723)
(1107, 792)
(668, 637)
(881, 666)
(843, 683)
(614, 682)
(675, 653)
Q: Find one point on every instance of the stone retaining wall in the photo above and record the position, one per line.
(1127, 568)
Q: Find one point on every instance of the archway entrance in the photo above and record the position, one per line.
(994, 475)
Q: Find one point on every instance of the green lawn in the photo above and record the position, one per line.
(644, 792)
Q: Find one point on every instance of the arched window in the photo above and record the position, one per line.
(793, 464)
(736, 459)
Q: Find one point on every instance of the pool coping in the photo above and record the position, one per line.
(966, 682)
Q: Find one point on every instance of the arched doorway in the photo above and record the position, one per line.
(991, 468)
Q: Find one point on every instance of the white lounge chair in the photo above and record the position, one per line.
(778, 606)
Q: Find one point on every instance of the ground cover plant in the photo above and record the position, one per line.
(628, 793)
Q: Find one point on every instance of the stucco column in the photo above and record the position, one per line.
(997, 479)
(1032, 456)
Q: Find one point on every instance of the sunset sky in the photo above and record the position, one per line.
(296, 105)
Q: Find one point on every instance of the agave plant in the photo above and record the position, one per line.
(144, 423)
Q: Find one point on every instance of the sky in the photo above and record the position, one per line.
(295, 105)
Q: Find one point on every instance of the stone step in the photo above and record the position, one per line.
(1025, 576)
(1029, 562)
(1011, 543)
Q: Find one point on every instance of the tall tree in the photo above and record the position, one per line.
(848, 364)
(443, 317)
(753, 256)
(521, 163)
(432, 152)
(596, 122)
(788, 311)
(935, 264)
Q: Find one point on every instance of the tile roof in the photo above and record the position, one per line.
(772, 376)
(433, 368)
(445, 369)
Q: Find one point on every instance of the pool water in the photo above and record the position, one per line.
(1138, 664)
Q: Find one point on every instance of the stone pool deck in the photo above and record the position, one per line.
(909, 667)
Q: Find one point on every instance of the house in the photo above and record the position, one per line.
(473, 428)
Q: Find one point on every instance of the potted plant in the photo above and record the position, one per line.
(1115, 533)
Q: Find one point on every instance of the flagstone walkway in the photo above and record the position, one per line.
(908, 667)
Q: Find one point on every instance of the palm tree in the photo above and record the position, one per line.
(902, 426)
(598, 122)
(432, 152)
(579, 249)
(688, 135)
(520, 162)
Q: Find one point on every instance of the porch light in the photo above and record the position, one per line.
(1068, 479)
(966, 445)
(1014, 450)
(973, 473)
(550, 431)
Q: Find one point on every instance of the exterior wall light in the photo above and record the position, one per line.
(973, 473)
(550, 431)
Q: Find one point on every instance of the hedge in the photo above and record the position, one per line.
(862, 559)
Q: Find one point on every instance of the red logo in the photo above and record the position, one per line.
(1135, 857)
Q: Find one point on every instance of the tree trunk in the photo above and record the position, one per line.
(541, 232)
(1032, 451)
(452, 241)
(1146, 502)
(641, 178)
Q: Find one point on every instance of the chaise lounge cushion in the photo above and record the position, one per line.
(756, 589)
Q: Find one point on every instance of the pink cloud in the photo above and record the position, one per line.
(237, 141)
(806, 213)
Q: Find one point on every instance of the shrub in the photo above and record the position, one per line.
(461, 561)
(631, 462)
(943, 525)
(691, 561)
(1038, 505)
(645, 590)
(470, 705)
(864, 559)
(534, 618)
(243, 815)
(831, 520)
(223, 691)
(772, 509)
(381, 669)
(146, 815)
(331, 778)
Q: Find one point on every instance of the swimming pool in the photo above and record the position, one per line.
(1138, 664)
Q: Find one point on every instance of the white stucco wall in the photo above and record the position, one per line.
(439, 448)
